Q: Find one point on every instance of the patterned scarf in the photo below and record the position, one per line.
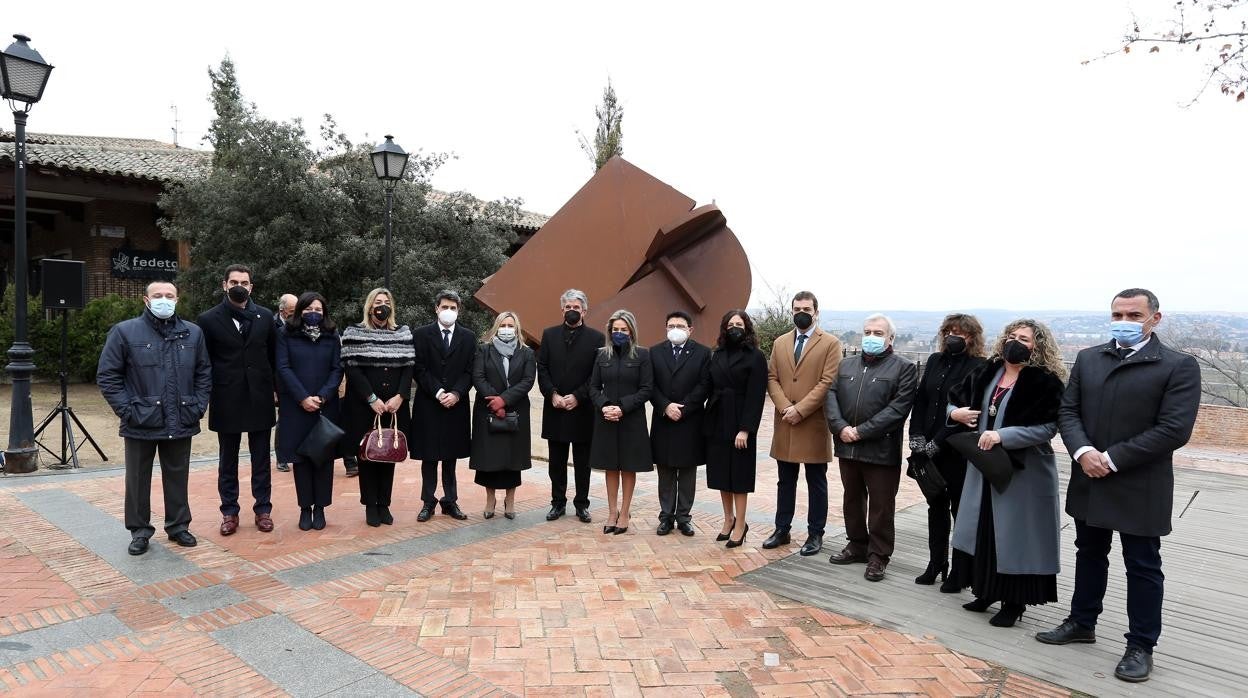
(384, 347)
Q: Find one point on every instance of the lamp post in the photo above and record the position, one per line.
(24, 74)
(389, 162)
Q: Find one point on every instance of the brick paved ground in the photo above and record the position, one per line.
(443, 608)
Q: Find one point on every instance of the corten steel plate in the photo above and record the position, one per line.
(628, 241)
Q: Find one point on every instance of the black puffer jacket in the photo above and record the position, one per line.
(875, 398)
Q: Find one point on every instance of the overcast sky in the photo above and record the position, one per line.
(894, 155)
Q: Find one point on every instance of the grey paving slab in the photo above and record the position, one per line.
(107, 537)
(299, 661)
(32, 644)
(193, 603)
(375, 686)
(1205, 617)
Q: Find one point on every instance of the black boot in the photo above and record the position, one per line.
(1008, 615)
(934, 568)
(383, 513)
(371, 516)
(305, 518)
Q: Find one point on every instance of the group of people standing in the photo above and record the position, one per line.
(1128, 405)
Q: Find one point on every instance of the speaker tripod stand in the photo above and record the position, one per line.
(69, 445)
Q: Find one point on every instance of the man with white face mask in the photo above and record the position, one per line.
(441, 422)
(676, 440)
(155, 373)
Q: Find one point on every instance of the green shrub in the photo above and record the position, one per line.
(87, 330)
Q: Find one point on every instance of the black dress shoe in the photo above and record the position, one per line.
(665, 527)
(318, 518)
(138, 545)
(305, 519)
(184, 539)
(555, 513)
(813, 544)
(1069, 631)
(685, 528)
(452, 510)
(426, 513)
(383, 513)
(845, 557)
(777, 539)
(583, 515)
(371, 517)
(1135, 666)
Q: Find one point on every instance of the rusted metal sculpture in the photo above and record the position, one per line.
(629, 241)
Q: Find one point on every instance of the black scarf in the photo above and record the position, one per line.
(244, 315)
(870, 359)
(1035, 398)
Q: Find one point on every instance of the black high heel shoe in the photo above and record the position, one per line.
(934, 569)
(610, 528)
(725, 536)
(738, 543)
(618, 528)
(1008, 615)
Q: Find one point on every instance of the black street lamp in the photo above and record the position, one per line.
(24, 74)
(389, 162)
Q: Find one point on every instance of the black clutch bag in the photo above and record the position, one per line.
(321, 443)
(923, 471)
(995, 463)
(509, 423)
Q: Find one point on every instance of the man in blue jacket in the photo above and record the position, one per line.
(155, 373)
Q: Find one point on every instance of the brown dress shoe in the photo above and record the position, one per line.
(229, 525)
(264, 522)
(875, 571)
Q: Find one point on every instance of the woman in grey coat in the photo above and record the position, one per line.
(1006, 544)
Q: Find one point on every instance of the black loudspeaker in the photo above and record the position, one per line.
(64, 284)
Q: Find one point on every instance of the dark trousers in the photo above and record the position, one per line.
(314, 483)
(816, 496)
(558, 451)
(870, 504)
(943, 508)
(676, 487)
(1141, 555)
(261, 473)
(376, 483)
(175, 467)
(429, 482)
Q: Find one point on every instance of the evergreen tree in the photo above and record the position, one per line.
(609, 136)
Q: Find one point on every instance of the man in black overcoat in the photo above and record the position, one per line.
(441, 422)
(564, 362)
(1129, 405)
(240, 337)
(676, 440)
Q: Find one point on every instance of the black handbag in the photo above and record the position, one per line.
(321, 443)
(923, 471)
(995, 464)
(510, 422)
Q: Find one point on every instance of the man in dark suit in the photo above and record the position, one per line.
(1129, 405)
(564, 362)
(240, 337)
(441, 424)
(676, 439)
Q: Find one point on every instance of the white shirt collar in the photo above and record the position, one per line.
(442, 329)
(1137, 346)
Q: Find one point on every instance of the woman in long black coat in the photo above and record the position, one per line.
(736, 387)
(961, 339)
(378, 356)
(309, 369)
(503, 373)
(619, 387)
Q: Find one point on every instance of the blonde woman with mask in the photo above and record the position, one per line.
(503, 372)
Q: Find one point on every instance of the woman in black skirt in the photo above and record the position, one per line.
(503, 373)
(736, 388)
(619, 387)
(1007, 544)
(379, 357)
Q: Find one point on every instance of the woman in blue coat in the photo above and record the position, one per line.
(309, 369)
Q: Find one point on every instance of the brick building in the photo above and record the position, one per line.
(94, 199)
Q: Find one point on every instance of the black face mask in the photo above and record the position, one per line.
(572, 318)
(954, 344)
(1016, 352)
(382, 312)
(238, 294)
(734, 335)
(803, 320)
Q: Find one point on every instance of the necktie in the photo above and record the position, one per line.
(676, 353)
(797, 352)
(1123, 352)
(446, 338)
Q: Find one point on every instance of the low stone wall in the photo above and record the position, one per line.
(1217, 425)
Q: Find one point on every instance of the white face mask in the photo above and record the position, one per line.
(506, 333)
(677, 336)
(447, 317)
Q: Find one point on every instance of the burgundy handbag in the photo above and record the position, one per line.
(384, 445)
